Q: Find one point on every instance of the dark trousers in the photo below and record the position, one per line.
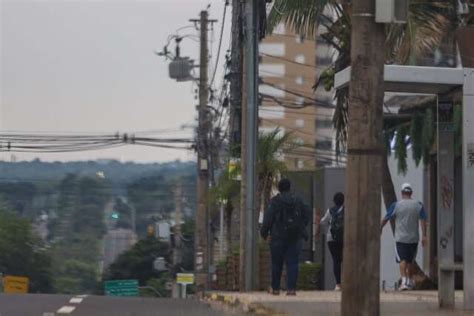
(285, 252)
(336, 252)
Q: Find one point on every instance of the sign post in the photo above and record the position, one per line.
(121, 288)
(184, 279)
(15, 284)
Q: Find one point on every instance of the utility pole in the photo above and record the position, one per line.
(202, 246)
(178, 196)
(361, 265)
(236, 80)
(248, 236)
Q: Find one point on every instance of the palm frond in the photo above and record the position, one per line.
(303, 16)
(428, 24)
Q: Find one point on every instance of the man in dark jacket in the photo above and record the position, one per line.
(284, 227)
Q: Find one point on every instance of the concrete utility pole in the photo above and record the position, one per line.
(248, 236)
(202, 214)
(236, 79)
(361, 265)
(178, 196)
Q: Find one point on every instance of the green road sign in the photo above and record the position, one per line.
(121, 288)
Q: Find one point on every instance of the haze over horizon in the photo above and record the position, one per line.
(90, 66)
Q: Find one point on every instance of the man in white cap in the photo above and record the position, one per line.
(407, 214)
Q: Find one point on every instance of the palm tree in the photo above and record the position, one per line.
(429, 22)
(270, 148)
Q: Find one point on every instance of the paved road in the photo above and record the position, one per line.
(57, 305)
(115, 242)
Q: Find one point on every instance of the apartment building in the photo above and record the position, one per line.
(289, 67)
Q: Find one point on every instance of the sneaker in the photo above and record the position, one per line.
(291, 293)
(337, 288)
(403, 287)
(275, 292)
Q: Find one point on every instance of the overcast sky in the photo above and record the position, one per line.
(89, 66)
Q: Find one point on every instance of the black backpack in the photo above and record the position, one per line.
(291, 218)
(337, 224)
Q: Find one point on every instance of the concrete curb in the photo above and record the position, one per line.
(243, 305)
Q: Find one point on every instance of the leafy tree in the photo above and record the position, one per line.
(18, 197)
(22, 253)
(137, 262)
(78, 230)
(187, 232)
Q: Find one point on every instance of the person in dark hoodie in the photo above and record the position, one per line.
(284, 228)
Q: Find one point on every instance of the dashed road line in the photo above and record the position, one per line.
(76, 300)
(66, 309)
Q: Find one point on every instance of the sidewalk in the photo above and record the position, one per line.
(328, 303)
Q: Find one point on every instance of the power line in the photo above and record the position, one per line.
(220, 43)
(295, 62)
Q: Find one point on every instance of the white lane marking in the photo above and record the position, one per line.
(76, 300)
(66, 310)
(48, 314)
(82, 296)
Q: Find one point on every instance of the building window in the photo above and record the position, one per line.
(300, 59)
(299, 141)
(299, 39)
(300, 101)
(299, 123)
(299, 163)
(299, 80)
(280, 29)
(272, 49)
(323, 123)
(323, 145)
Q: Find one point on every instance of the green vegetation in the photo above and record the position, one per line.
(137, 263)
(309, 278)
(22, 253)
(66, 203)
(78, 231)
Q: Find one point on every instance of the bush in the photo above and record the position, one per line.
(309, 278)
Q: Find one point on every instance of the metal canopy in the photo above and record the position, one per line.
(434, 80)
(412, 79)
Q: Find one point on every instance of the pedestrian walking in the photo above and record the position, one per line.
(407, 214)
(284, 228)
(333, 221)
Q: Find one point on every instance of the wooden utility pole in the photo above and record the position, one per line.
(202, 239)
(361, 265)
(249, 236)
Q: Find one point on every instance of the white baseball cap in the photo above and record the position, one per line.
(406, 187)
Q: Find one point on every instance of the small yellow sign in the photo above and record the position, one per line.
(15, 284)
(185, 278)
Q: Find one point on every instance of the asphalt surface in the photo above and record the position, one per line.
(57, 305)
(115, 242)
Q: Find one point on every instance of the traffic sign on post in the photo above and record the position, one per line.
(15, 284)
(121, 288)
(185, 278)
